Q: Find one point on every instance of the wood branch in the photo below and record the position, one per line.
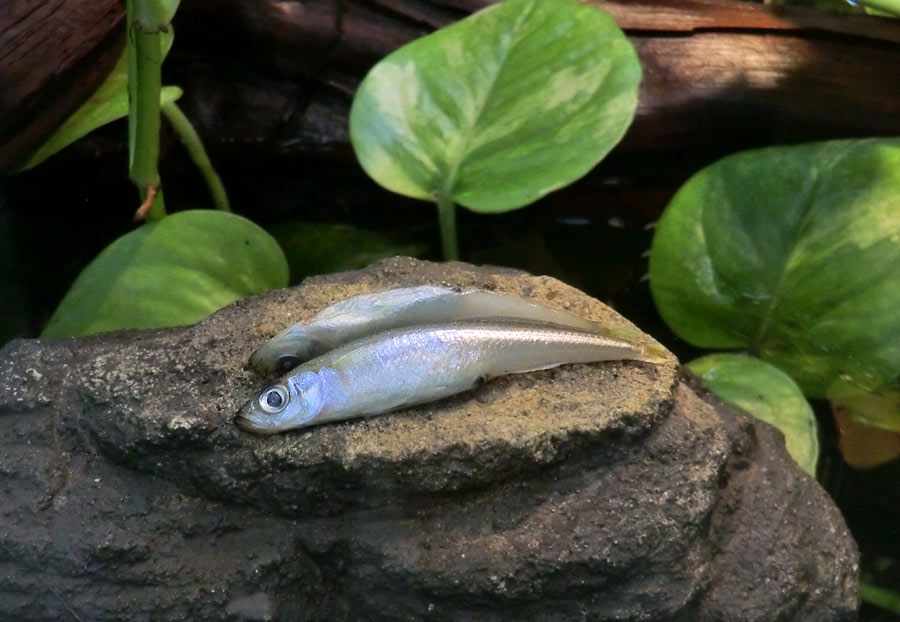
(53, 54)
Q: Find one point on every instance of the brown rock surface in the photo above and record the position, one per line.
(612, 491)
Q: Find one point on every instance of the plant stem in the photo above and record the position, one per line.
(145, 84)
(194, 145)
(447, 223)
(880, 597)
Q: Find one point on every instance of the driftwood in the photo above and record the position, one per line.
(276, 77)
(611, 491)
(717, 74)
(53, 54)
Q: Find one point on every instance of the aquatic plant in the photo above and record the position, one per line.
(498, 109)
(492, 112)
(178, 268)
(788, 256)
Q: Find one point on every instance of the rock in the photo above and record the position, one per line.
(612, 491)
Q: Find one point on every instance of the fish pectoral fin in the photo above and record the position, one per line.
(352, 358)
(431, 394)
(435, 393)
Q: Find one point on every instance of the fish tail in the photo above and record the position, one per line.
(647, 352)
(652, 353)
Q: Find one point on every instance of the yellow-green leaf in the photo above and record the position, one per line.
(767, 393)
(792, 253)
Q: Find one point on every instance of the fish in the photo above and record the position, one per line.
(407, 366)
(365, 314)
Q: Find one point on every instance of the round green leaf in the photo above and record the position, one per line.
(171, 272)
(499, 109)
(793, 253)
(768, 394)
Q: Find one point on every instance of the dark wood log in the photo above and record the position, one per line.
(740, 75)
(53, 54)
(718, 75)
(277, 76)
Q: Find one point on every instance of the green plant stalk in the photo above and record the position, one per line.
(447, 223)
(145, 52)
(194, 145)
(880, 597)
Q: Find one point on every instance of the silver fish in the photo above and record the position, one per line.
(367, 314)
(404, 367)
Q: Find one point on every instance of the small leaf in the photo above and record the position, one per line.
(793, 253)
(313, 248)
(874, 407)
(864, 446)
(768, 394)
(171, 272)
(108, 103)
(499, 109)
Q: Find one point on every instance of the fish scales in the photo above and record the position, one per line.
(365, 314)
(408, 366)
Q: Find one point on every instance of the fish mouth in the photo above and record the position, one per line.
(244, 425)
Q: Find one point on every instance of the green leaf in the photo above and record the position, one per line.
(171, 272)
(313, 248)
(108, 103)
(793, 253)
(499, 109)
(768, 394)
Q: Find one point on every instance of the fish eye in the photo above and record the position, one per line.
(273, 399)
(288, 361)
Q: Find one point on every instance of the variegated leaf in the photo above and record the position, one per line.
(499, 109)
(794, 254)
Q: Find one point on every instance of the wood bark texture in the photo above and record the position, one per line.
(53, 54)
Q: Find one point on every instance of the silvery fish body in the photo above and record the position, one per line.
(367, 314)
(404, 367)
